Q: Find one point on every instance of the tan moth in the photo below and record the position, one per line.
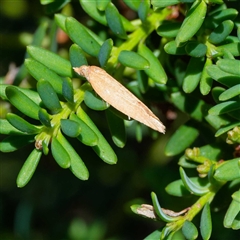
(116, 95)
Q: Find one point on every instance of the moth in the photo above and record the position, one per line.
(116, 95)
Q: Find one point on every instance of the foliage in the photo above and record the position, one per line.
(184, 56)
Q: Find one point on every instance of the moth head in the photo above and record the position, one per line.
(83, 71)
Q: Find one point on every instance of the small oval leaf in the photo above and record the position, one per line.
(103, 149)
(189, 230)
(220, 33)
(13, 143)
(39, 71)
(181, 139)
(77, 166)
(193, 74)
(81, 37)
(22, 124)
(60, 154)
(22, 102)
(87, 135)
(49, 96)
(67, 90)
(155, 71)
(206, 222)
(114, 21)
(133, 60)
(51, 60)
(105, 52)
(168, 29)
(228, 170)
(28, 168)
(70, 128)
(44, 117)
(77, 57)
(196, 49)
(192, 22)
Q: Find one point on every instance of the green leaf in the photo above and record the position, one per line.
(22, 124)
(154, 235)
(164, 3)
(51, 60)
(226, 128)
(22, 102)
(217, 17)
(233, 48)
(222, 77)
(169, 29)
(45, 2)
(8, 129)
(28, 168)
(81, 37)
(87, 135)
(103, 149)
(13, 143)
(114, 21)
(216, 92)
(236, 195)
(193, 74)
(55, 6)
(221, 15)
(188, 104)
(93, 101)
(77, 166)
(117, 128)
(39, 71)
(177, 188)
(60, 154)
(70, 128)
(77, 57)
(206, 80)
(192, 22)
(230, 93)
(225, 107)
(172, 48)
(90, 7)
(44, 117)
(105, 52)
(232, 213)
(155, 71)
(143, 10)
(228, 170)
(33, 95)
(184, 162)
(216, 121)
(134, 5)
(189, 230)
(229, 65)
(133, 60)
(191, 186)
(48, 96)
(67, 90)
(158, 210)
(142, 80)
(183, 137)
(196, 49)
(238, 32)
(102, 4)
(60, 20)
(206, 223)
(220, 33)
